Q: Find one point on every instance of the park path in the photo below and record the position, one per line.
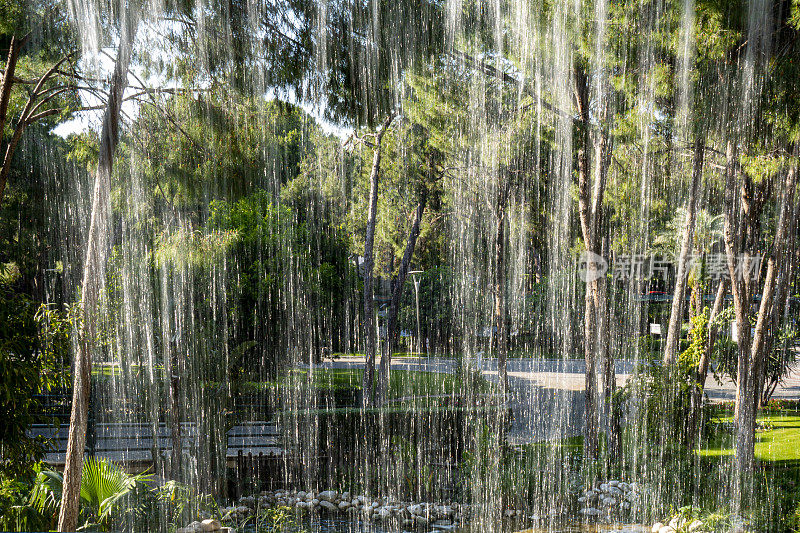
(547, 394)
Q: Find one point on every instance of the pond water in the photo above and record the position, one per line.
(342, 525)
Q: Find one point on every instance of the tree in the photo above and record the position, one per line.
(428, 174)
(38, 85)
(93, 273)
(370, 330)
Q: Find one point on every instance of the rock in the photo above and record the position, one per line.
(344, 505)
(328, 495)
(384, 513)
(666, 529)
(583, 499)
(315, 502)
(301, 494)
(302, 505)
(613, 483)
(325, 504)
(210, 525)
(185, 530)
(346, 496)
(415, 509)
(677, 522)
(421, 520)
(695, 525)
(604, 487)
(656, 527)
(509, 513)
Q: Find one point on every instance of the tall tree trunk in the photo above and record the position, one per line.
(175, 414)
(5, 90)
(500, 337)
(679, 295)
(590, 201)
(93, 273)
(370, 333)
(397, 293)
(775, 265)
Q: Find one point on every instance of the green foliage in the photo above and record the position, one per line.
(34, 349)
(105, 497)
(226, 147)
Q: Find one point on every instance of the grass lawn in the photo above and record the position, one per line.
(779, 442)
(402, 383)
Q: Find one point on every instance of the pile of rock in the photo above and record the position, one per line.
(679, 524)
(205, 525)
(609, 499)
(408, 514)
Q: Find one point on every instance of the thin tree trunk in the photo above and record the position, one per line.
(397, 293)
(175, 414)
(703, 366)
(370, 334)
(93, 273)
(500, 338)
(679, 295)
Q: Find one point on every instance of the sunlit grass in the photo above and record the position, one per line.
(778, 442)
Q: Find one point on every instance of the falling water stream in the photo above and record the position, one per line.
(173, 330)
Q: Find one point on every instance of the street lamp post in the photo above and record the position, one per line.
(416, 298)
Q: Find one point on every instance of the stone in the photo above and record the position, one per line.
(666, 529)
(677, 522)
(509, 513)
(415, 509)
(328, 495)
(695, 525)
(344, 505)
(328, 506)
(613, 483)
(210, 525)
(384, 513)
(583, 499)
(604, 487)
(420, 520)
(315, 502)
(301, 505)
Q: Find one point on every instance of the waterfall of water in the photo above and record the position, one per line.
(540, 133)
